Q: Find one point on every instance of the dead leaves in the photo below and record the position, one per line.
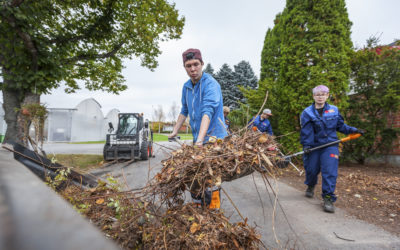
(263, 138)
(100, 201)
(213, 164)
(194, 227)
(138, 223)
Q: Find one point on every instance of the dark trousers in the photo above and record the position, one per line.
(326, 161)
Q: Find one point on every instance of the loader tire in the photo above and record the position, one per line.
(144, 151)
(104, 152)
(151, 152)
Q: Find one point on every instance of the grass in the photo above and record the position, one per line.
(164, 137)
(79, 161)
(156, 138)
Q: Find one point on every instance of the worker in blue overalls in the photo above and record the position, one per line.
(262, 123)
(319, 123)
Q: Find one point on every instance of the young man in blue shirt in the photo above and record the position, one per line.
(202, 102)
(319, 123)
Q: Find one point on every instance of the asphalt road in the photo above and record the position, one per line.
(293, 222)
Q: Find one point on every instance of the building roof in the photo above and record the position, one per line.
(395, 43)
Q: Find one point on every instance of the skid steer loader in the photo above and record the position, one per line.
(132, 140)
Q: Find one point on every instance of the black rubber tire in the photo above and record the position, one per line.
(144, 151)
(104, 152)
(151, 152)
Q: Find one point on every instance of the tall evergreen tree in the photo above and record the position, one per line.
(245, 76)
(309, 45)
(244, 79)
(233, 82)
(209, 69)
(226, 78)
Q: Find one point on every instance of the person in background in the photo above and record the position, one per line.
(262, 123)
(202, 102)
(227, 110)
(319, 123)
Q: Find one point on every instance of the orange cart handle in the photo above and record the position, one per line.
(351, 137)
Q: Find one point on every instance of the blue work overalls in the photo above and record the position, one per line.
(317, 130)
(264, 126)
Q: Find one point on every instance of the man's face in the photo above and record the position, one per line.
(226, 114)
(320, 97)
(264, 116)
(194, 69)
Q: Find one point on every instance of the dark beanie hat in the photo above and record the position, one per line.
(191, 54)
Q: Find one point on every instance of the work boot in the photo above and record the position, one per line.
(328, 204)
(310, 191)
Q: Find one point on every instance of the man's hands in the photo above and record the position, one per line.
(360, 131)
(199, 143)
(172, 135)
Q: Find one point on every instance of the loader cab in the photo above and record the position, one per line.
(128, 124)
(133, 139)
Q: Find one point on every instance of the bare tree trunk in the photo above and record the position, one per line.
(13, 100)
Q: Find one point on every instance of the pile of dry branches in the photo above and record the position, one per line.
(136, 224)
(197, 168)
(157, 218)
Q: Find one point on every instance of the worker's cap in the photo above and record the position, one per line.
(227, 109)
(320, 88)
(267, 111)
(191, 54)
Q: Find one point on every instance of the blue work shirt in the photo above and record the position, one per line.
(263, 125)
(204, 98)
(317, 130)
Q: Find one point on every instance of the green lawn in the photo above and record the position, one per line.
(79, 161)
(164, 137)
(156, 138)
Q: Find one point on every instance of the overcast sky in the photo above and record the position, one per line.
(226, 31)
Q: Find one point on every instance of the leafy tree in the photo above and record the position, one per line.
(210, 70)
(226, 79)
(309, 45)
(375, 99)
(239, 117)
(46, 43)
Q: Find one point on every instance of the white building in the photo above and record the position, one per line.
(85, 122)
(112, 116)
(88, 122)
(3, 125)
(58, 125)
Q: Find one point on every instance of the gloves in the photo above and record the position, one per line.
(307, 150)
(360, 131)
